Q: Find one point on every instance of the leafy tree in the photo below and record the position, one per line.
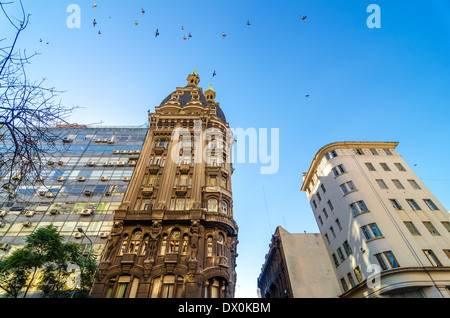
(45, 252)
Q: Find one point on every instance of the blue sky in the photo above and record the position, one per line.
(386, 84)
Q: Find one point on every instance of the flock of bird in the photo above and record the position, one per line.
(182, 29)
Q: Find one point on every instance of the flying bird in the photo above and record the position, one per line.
(223, 35)
(40, 40)
(182, 28)
(189, 36)
(157, 33)
(95, 6)
(143, 11)
(248, 23)
(304, 17)
(94, 23)
(214, 73)
(306, 95)
(99, 32)
(184, 38)
(135, 23)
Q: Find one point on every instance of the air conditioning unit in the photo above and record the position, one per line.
(110, 141)
(78, 235)
(108, 193)
(86, 212)
(126, 179)
(137, 152)
(120, 163)
(88, 193)
(104, 140)
(49, 195)
(29, 214)
(104, 178)
(116, 152)
(60, 179)
(132, 163)
(50, 163)
(97, 140)
(111, 164)
(60, 163)
(103, 235)
(81, 179)
(3, 213)
(54, 211)
(17, 177)
(26, 224)
(130, 152)
(41, 193)
(40, 178)
(66, 140)
(4, 246)
(91, 163)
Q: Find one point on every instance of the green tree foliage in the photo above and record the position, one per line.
(45, 252)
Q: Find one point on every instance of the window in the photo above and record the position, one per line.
(347, 187)
(164, 244)
(340, 254)
(332, 232)
(395, 204)
(374, 152)
(327, 238)
(135, 242)
(399, 167)
(338, 224)
(168, 286)
(323, 188)
(366, 233)
(209, 246)
(330, 205)
(184, 244)
(388, 152)
(320, 220)
(446, 225)
(430, 204)
(385, 166)
(336, 262)
(412, 229)
(325, 213)
(380, 260)
(224, 207)
(318, 196)
(124, 244)
(122, 287)
(414, 184)
(412, 203)
(338, 170)
(314, 203)
(382, 184)
(398, 184)
(447, 252)
(174, 244)
(432, 258)
(215, 288)
(430, 227)
(358, 208)
(370, 166)
(375, 230)
(347, 248)
(344, 284)
(212, 205)
(351, 280)
(391, 258)
(358, 274)
(180, 202)
(359, 152)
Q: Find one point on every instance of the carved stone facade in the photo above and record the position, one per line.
(174, 234)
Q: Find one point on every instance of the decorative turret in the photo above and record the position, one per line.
(210, 94)
(193, 79)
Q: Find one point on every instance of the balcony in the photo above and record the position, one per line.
(181, 190)
(184, 168)
(147, 191)
(128, 258)
(154, 168)
(159, 150)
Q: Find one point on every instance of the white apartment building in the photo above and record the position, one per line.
(387, 235)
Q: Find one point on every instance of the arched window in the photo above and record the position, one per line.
(145, 245)
(212, 205)
(124, 286)
(174, 244)
(220, 245)
(135, 242)
(224, 207)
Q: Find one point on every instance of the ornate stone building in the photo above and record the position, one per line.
(174, 234)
